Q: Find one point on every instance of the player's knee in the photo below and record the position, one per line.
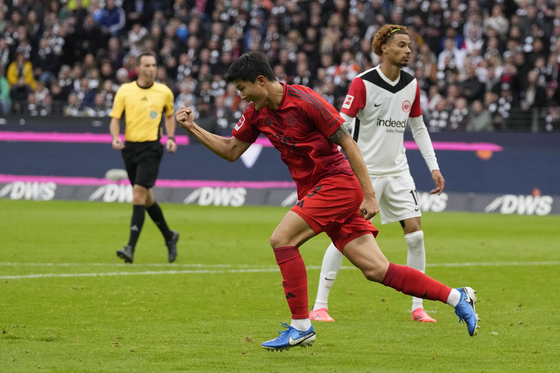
(374, 274)
(415, 240)
(276, 241)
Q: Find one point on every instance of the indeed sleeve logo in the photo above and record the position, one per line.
(240, 123)
(348, 101)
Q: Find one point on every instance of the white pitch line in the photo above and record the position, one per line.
(138, 273)
(205, 271)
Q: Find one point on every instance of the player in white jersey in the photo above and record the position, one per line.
(381, 101)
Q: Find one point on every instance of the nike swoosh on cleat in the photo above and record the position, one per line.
(294, 342)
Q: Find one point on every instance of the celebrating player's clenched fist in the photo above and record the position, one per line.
(185, 117)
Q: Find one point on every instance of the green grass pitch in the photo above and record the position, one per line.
(68, 304)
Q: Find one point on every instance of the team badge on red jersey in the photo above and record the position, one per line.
(291, 120)
(406, 106)
(348, 101)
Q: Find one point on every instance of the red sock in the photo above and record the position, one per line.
(411, 281)
(294, 277)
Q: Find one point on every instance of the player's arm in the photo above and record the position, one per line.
(228, 148)
(369, 207)
(422, 138)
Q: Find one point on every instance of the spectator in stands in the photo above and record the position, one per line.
(41, 93)
(115, 53)
(99, 107)
(497, 21)
(205, 118)
(108, 93)
(473, 89)
(113, 20)
(480, 119)
(439, 117)
(21, 70)
(72, 109)
(58, 97)
(85, 94)
(45, 63)
(224, 115)
(5, 99)
(459, 117)
(88, 36)
(534, 94)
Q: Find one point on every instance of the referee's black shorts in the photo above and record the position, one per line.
(142, 161)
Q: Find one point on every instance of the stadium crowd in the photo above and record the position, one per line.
(482, 65)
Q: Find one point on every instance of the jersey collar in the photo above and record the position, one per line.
(389, 81)
(139, 86)
(283, 95)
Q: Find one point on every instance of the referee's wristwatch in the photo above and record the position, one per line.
(171, 138)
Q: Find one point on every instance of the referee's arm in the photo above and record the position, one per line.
(114, 129)
(171, 146)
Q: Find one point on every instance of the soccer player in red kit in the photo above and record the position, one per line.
(335, 194)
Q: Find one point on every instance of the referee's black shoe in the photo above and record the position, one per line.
(172, 246)
(127, 253)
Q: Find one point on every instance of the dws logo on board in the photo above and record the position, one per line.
(522, 205)
(113, 193)
(428, 202)
(217, 196)
(37, 191)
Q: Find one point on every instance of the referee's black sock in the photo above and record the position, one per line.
(157, 216)
(136, 223)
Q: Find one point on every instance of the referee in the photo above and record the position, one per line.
(144, 101)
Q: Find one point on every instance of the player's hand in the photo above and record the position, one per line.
(369, 208)
(117, 143)
(185, 117)
(440, 182)
(171, 146)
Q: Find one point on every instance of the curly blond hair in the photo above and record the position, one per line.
(384, 34)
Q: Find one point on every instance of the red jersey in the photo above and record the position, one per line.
(299, 129)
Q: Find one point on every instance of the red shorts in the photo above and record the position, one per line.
(332, 207)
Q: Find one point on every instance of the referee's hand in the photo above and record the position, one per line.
(117, 143)
(185, 117)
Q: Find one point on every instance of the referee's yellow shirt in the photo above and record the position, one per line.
(143, 108)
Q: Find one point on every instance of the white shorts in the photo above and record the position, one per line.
(397, 197)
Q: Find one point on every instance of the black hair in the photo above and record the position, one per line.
(146, 53)
(249, 67)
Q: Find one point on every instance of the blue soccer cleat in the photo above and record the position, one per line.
(466, 311)
(291, 338)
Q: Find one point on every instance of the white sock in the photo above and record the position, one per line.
(416, 258)
(332, 261)
(301, 324)
(454, 298)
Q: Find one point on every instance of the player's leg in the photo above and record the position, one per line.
(401, 204)
(332, 261)
(365, 254)
(416, 258)
(292, 232)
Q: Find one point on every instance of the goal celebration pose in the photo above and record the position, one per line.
(382, 100)
(335, 195)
